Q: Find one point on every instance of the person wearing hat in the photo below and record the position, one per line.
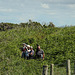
(24, 50)
(28, 48)
(28, 51)
(24, 45)
(39, 52)
(31, 54)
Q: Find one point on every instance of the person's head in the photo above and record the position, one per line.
(38, 47)
(28, 46)
(31, 48)
(24, 44)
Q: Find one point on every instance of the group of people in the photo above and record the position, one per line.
(28, 52)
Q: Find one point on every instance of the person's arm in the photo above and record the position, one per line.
(32, 52)
(43, 56)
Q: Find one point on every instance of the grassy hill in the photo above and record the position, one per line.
(57, 43)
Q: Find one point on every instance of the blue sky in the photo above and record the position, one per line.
(60, 12)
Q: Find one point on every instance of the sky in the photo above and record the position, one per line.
(60, 12)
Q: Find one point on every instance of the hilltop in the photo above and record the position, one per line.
(57, 43)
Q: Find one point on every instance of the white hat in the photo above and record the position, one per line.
(28, 45)
(31, 47)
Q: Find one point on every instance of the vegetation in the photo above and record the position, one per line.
(57, 43)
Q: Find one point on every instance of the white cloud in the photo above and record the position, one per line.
(24, 18)
(73, 16)
(52, 13)
(45, 5)
(71, 5)
(22, 5)
(6, 10)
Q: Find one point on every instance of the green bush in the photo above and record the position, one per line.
(57, 43)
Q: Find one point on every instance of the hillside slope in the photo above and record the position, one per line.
(57, 43)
